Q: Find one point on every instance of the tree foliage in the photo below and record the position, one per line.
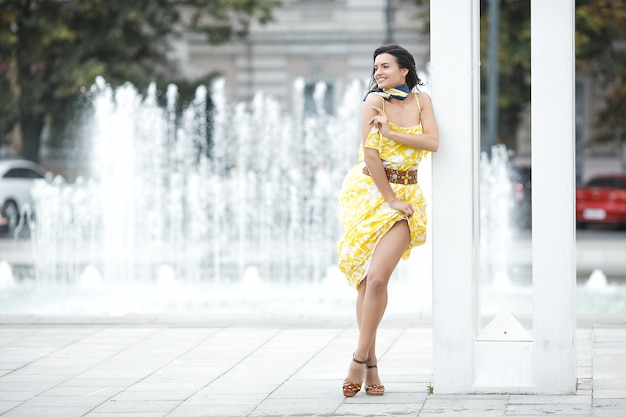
(52, 50)
(600, 52)
(513, 64)
(600, 29)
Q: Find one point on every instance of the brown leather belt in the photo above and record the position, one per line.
(397, 176)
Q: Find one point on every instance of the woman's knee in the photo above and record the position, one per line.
(377, 283)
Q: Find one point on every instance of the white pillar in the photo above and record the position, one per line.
(465, 361)
(456, 91)
(553, 180)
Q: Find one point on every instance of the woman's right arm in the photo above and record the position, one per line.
(428, 140)
(375, 164)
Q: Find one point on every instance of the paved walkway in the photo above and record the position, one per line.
(155, 366)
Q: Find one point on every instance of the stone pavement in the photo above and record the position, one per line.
(175, 366)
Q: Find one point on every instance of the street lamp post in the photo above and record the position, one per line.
(389, 20)
(492, 78)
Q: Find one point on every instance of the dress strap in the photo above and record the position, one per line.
(418, 102)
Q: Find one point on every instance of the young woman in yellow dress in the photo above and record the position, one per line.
(381, 206)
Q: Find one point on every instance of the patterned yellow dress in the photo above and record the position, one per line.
(364, 214)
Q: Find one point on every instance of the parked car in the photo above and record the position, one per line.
(602, 200)
(17, 177)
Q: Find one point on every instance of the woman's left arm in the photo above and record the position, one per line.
(429, 140)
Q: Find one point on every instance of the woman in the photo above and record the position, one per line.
(381, 207)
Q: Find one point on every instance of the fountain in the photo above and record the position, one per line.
(506, 251)
(496, 227)
(597, 281)
(183, 212)
(6, 275)
(235, 212)
(207, 198)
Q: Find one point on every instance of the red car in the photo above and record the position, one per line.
(602, 200)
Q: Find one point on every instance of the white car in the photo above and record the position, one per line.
(17, 177)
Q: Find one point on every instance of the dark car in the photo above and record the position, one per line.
(16, 180)
(602, 200)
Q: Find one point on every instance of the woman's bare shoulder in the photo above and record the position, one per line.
(374, 100)
(424, 97)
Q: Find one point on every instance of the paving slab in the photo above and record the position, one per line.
(168, 366)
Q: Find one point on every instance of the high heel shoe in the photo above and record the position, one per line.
(374, 389)
(350, 389)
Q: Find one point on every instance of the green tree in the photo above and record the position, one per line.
(52, 50)
(513, 65)
(600, 35)
(601, 50)
(600, 26)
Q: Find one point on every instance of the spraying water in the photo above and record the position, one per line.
(207, 194)
(222, 208)
(496, 226)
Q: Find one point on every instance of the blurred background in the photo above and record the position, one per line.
(52, 51)
(202, 144)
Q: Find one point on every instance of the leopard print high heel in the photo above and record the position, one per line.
(374, 389)
(350, 389)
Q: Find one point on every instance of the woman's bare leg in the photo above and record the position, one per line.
(371, 374)
(372, 297)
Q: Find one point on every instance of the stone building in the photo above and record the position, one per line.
(328, 41)
(332, 41)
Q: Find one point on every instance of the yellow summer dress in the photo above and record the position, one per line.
(365, 215)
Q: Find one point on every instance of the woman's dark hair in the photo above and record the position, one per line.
(405, 60)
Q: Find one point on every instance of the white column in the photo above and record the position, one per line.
(455, 91)
(463, 361)
(553, 179)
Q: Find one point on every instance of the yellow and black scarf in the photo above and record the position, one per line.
(399, 92)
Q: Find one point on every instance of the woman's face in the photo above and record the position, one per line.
(387, 73)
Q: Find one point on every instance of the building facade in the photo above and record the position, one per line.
(330, 41)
